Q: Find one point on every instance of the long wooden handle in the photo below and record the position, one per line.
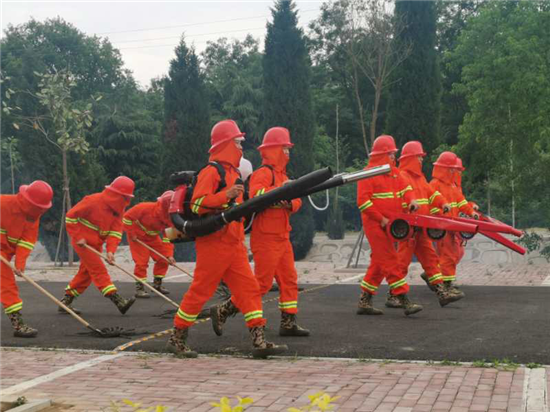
(162, 256)
(48, 294)
(134, 277)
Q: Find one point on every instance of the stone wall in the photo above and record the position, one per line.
(478, 250)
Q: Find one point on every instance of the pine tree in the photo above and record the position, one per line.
(186, 134)
(287, 103)
(414, 106)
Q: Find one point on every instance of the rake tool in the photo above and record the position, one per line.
(104, 333)
(133, 276)
(222, 290)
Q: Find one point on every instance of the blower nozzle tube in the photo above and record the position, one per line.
(213, 223)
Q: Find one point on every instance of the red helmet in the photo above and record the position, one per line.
(123, 186)
(164, 200)
(446, 159)
(459, 165)
(222, 132)
(276, 136)
(39, 193)
(413, 148)
(383, 144)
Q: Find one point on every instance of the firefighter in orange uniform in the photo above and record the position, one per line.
(95, 220)
(429, 201)
(222, 255)
(377, 198)
(19, 220)
(145, 222)
(449, 248)
(270, 236)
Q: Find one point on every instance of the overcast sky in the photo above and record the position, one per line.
(147, 32)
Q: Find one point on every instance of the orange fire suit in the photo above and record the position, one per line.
(221, 255)
(270, 239)
(430, 201)
(98, 219)
(450, 247)
(375, 196)
(146, 222)
(19, 221)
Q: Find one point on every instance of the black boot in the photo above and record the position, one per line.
(20, 329)
(452, 288)
(262, 348)
(393, 302)
(289, 327)
(157, 284)
(67, 301)
(220, 313)
(427, 280)
(122, 304)
(409, 307)
(365, 305)
(445, 296)
(141, 293)
(177, 344)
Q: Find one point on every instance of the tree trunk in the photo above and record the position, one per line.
(12, 174)
(67, 197)
(360, 108)
(377, 95)
(61, 232)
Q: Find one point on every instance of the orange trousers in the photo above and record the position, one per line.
(384, 263)
(217, 261)
(421, 246)
(274, 259)
(9, 292)
(141, 256)
(450, 252)
(92, 269)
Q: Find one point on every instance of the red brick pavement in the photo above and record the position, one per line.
(275, 385)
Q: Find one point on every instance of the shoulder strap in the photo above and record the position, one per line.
(221, 172)
(272, 173)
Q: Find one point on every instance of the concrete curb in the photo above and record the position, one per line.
(33, 406)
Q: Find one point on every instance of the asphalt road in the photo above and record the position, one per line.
(491, 323)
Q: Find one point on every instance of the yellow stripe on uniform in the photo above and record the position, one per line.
(127, 222)
(257, 314)
(195, 206)
(432, 197)
(14, 308)
(383, 195)
(108, 289)
(288, 305)
(368, 286)
(366, 205)
(401, 193)
(260, 192)
(185, 316)
(398, 284)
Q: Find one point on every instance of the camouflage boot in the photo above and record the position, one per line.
(444, 295)
(261, 347)
(20, 329)
(425, 279)
(365, 305)
(177, 344)
(393, 302)
(289, 327)
(141, 293)
(409, 307)
(122, 304)
(157, 284)
(452, 288)
(67, 301)
(220, 313)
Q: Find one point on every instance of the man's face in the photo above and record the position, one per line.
(420, 159)
(286, 151)
(392, 157)
(238, 142)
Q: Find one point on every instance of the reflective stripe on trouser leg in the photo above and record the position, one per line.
(9, 293)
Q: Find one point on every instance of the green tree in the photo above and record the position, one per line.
(287, 103)
(505, 138)
(187, 125)
(414, 106)
(233, 72)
